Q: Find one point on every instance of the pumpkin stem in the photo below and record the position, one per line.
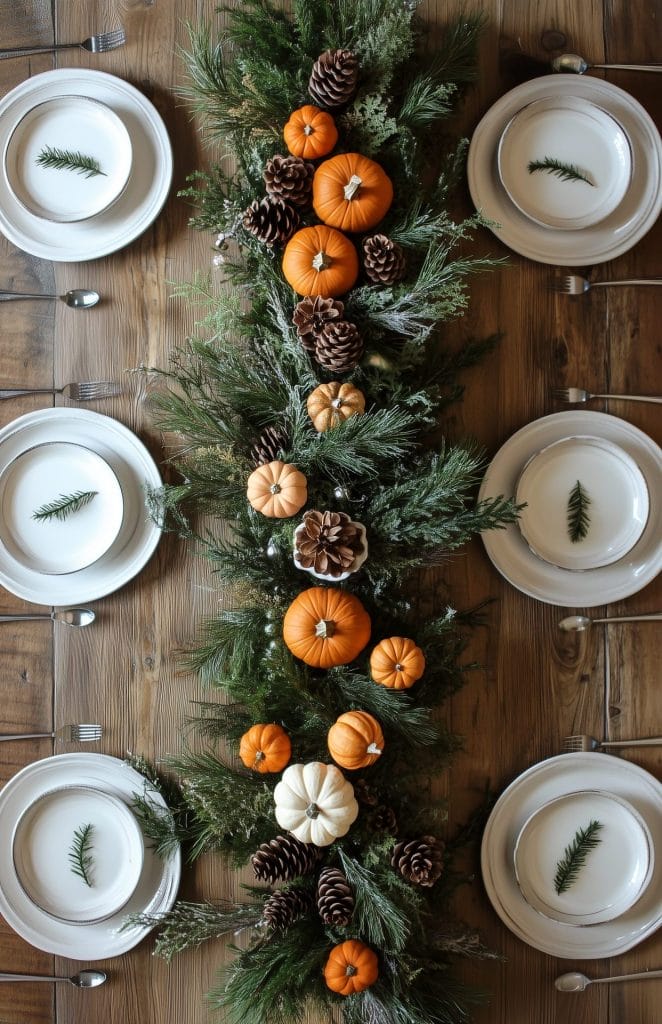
(372, 748)
(337, 403)
(399, 667)
(325, 628)
(352, 186)
(308, 129)
(312, 811)
(350, 971)
(275, 489)
(321, 261)
(259, 756)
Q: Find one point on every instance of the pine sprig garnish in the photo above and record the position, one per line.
(578, 517)
(574, 856)
(68, 160)
(65, 505)
(566, 172)
(80, 853)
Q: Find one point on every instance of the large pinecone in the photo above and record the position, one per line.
(285, 906)
(289, 178)
(339, 347)
(311, 316)
(270, 445)
(420, 861)
(335, 899)
(383, 260)
(271, 220)
(283, 858)
(334, 78)
(328, 542)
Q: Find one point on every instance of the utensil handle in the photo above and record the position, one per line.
(27, 736)
(630, 67)
(27, 51)
(650, 741)
(627, 977)
(16, 392)
(23, 618)
(634, 398)
(657, 617)
(631, 280)
(8, 296)
(29, 977)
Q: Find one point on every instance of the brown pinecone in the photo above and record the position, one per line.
(335, 899)
(270, 445)
(419, 860)
(328, 543)
(285, 906)
(383, 260)
(365, 793)
(289, 178)
(271, 220)
(383, 819)
(312, 314)
(334, 78)
(283, 858)
(339, 347)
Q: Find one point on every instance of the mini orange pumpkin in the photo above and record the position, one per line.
(320, 261)
(277, 489)
(397, 663)
(355, 740)
(265, 748)
(332, 403)
(326, 627)
(351, 967)
(310, 133)
(351, 192)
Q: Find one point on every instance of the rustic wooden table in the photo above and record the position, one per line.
(537, 685)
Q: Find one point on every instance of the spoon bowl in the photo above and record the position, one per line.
(80, 298)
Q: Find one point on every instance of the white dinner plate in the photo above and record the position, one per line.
(157, 886)
(512, 556)
(611, 237)
(542, 782)
(145, 192)
(135, 470)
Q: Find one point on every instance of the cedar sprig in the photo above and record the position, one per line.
(564, 171)
(80, 853)
(64, 506)
(574, 856)
(578, 515)
(70, 160)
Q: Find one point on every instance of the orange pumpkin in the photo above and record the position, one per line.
(320, 261)
(351, 967)
(351, 192)
(397, 663)
(332, 403)
(265, 748)
(310, 133)
(355, 740)
(326, 627)
(277, 489)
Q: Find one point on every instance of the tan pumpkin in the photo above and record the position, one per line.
(277, 489)
(351, 192)
(355, 740)
(265, 748)
(397, 663)
(351, 967)
(332, 403)
(320, 261)
(326, 627)
(310, 133)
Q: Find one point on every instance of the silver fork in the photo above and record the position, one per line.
(84, 733)
(95, 44)
(84, 391)
(574, 284)
(574, 395)
(573, 744)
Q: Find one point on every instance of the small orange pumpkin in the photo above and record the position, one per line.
(332, 403)
(326, 627)
(277, 489)
(320, 261)
(310, 133)
(351, 192)
(355, 740)
(265, 748)
(351, 967)
(397, 663)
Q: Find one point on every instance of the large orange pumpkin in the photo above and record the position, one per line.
(310, 133)
(265, 748)
(355, 740)
(320, 261)
(326, 627)
(397, 663)
(351, 192)
(277, 489)
(351, 967)
(332, 403)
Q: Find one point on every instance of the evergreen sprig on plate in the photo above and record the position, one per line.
(578, 515)
(564, 171)
(64, 506)
(69, 160)
(80, 853)
(575, 854)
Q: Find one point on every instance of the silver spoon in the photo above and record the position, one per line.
(574, 981)
(70, 617)
(578, 623)
(76, 298)
(84, 979)
(577, 65)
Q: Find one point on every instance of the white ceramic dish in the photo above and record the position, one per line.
(511, 554)
(79, 125)
(539, 784)
(606, 240)
(356, 564)
(612, 483)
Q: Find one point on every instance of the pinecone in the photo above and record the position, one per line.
(270, 445)
(285, 906)
(289, 178)
(383, 260)
(271, 220)
(334, 78)
(419, 860)
(383, 819)
(339, 347)
(283, 858)
(365, 793)
(335, 899)
(328, 542)
(311, 316)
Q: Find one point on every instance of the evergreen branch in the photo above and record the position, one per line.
(578, 514)
(80, 854)
(68, 160)
(188, 925)
(64, 506)
(564, 171)
(377, 918)
(575, 854)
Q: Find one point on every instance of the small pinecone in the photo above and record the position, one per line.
(383, 819)
(333, 81)
(311, 316)
(419, 860)
(283, 858)
(335, 899)
(270, 445)
(328, 543)
(285, 906)
(289, 178)
(271, 220)
(339, 347)
(383, 260)
(365, 793)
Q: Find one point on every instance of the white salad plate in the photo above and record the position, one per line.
(543, 782)
(145, 192)
(157, 885)
(610, 237)
(509, 551)
(135, 471)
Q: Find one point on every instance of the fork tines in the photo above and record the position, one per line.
(110, 40)
(85, 733)
(94, 389)
(562, 393)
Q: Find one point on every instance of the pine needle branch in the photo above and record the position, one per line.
(80, 853)
(578, 514)
(64, 506)
(564, 171)
(68, 160)
(188, 924)
(575, 854)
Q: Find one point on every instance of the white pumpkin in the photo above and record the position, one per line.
(315, 802)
